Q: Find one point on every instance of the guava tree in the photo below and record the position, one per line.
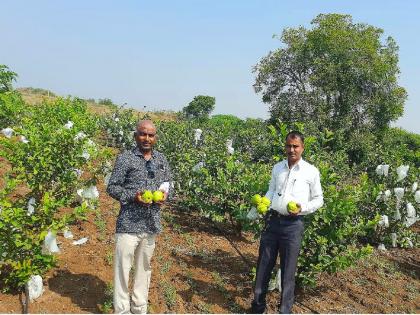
(338, 73)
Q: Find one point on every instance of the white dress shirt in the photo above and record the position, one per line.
(300, 184)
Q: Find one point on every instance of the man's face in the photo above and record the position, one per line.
(294, 149)
(146, 136)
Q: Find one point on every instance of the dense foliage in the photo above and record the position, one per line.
(47, 148)
(338, 74)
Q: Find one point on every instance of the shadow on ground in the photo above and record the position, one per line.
(85, 290)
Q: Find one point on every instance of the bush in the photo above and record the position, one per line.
(44, 171)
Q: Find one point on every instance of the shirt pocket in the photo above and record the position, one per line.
(301, 187)
(280, 181)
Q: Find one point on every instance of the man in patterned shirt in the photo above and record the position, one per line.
(136, 170)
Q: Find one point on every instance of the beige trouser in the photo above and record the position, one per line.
(128, 248)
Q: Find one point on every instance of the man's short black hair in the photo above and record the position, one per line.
(295, 134)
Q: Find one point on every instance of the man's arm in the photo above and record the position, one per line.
(116, 187)
(316, 200)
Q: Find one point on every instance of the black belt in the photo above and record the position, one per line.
(275, 214)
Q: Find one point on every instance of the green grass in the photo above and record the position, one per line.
(169, 294)
(109, 257)
(100, 225)
(189, 239)
(166, 266)
(107, 305)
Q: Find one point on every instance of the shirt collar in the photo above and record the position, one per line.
(137, 152)
(297, 166)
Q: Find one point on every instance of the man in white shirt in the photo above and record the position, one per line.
(291, 180)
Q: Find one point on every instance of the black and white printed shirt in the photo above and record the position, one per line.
(130, 175)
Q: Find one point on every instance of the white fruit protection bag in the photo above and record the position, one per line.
(35, 287)
(252, 214)
(50, 244)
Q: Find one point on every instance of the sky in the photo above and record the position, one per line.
(158, 55)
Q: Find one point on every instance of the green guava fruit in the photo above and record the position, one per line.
(147, 196)
(262, 208)
(256, 199)
(157, 196)
(292, 207)
(265, 201)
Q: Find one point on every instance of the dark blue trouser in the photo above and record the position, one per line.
(282, 235)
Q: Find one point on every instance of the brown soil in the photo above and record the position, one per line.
(197, 270)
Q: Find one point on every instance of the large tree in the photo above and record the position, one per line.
(338, 74)
(200, 107)
(6, 78)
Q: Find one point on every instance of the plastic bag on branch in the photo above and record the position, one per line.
(409, 242)
(382, 170)
(387, 194)
(85, 155)
(50, 244)
(411, 215)
(91, 192)
(397, 214)
(402, 172)
(23, 139)
(88, 193)
(252, 214)
(394, 239)
(383, 195)
(197, 135)
(230, 149)
(382, 247)
(384, 221)
(35, 287)
(417, 196)
(7, 132)
(69, 125)
(31, 206)
(80, 135)
(414, 187)
(399, 193)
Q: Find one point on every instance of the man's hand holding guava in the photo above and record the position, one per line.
(159, 197)
(148, 197)
(294, 208)
(144, 197)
